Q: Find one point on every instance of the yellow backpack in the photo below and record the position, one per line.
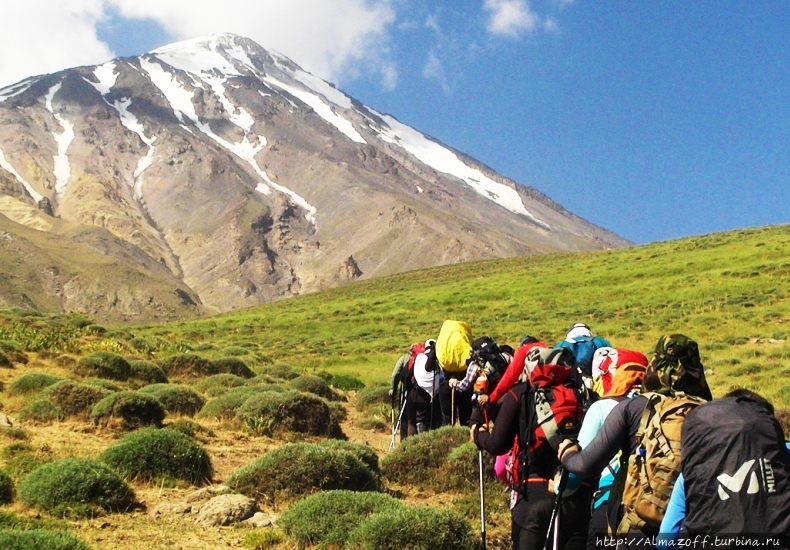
(454, 346)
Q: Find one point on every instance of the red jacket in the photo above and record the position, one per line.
(513, 371)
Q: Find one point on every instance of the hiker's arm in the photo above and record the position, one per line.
(396, 372)
(674, 515)
(612, 437)
(500, 440)
(471, 376)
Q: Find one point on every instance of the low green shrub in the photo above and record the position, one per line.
(76, 487)
(190, 428)
(218, 384)
(324, 375)
(41, 411)
(21, 458)
(325, 519)
(176, 399)
(346, 383)
(13, 433)
(226, 406)
(413, 527)
(104, 364)
(374, 425)
(143, 345)
(13, 351)
(66, 361)
(419, 459)
(75, 399)
(297, 469)
(37, 539)
(95, 330)
(147, 371)
(232, 365)
(161, 456)
(462, 468)
(187, 365)
(279, 370)
(363, 452)
(261, 539)
(102, 383)
(5, 362)
(234, 351)
(32, 382)
(268, 412)
(6, 488)
(314, 385)
(132, 409)
(375, 398)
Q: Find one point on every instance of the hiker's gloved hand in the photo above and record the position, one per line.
(390, 392)
(474, 429)
(482, 399)
(570, 487)
(566, 446)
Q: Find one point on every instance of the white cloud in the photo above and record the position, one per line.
(324, 36)
(434, 70)
(45, 36)
(510, 17)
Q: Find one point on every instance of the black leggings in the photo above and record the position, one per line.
(574, 518)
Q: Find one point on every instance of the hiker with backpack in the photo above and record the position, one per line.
(735, 472)
(513, 371)
(581, 341)
(618, 374)
(424, 394)
(453, 353)
(533, 418)
(646, 430)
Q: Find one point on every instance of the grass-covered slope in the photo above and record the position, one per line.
(729, 291)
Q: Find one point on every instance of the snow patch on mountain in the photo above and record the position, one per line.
(62, 167)
(16, 89)
(443, 160)
(180, 101)
(10, 169)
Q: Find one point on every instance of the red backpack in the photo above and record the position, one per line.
(551, 410)
(407, 375)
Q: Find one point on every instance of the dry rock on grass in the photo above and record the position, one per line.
(225, 510)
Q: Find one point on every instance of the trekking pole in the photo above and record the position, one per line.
(397, 425)
(452, 405)
(482, 501)
(554, 523)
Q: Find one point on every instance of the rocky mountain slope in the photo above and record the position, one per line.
(212, 174)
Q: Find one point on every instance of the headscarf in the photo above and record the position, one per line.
(579, 330)
(630, 371)
(676, 367)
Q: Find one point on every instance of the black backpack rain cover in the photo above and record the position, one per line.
(736, 470)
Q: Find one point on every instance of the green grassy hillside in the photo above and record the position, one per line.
(729, 291)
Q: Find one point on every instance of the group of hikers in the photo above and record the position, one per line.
(601, 446)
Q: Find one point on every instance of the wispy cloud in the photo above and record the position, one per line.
(326, 37)
(511, 18)
(434, 70)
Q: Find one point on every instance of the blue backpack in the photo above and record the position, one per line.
(583, 349)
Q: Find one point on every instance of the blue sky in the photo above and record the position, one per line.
(656, 120)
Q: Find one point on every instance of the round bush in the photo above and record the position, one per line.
(234, 351)
(297, 469)
(5, 362)
(75, 399)
(104, 364)
(133, 409)
(419, 459)
(325, 519)
(32, 381)
(176, 399)
(279, 370)
(75, 487)
(147, 371)
(315, 385)
(346, 383)
(187, 365)
(270, 411)
(41, 411)
(226, 406)
(36, 539)
(6, 488)
(232, 365)
(374, 398)
(218, 384)
(143, 345)
(159, 456)
(190, 428)
(413, 527)
(363, 452)
(13, 351)
(462, 468)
